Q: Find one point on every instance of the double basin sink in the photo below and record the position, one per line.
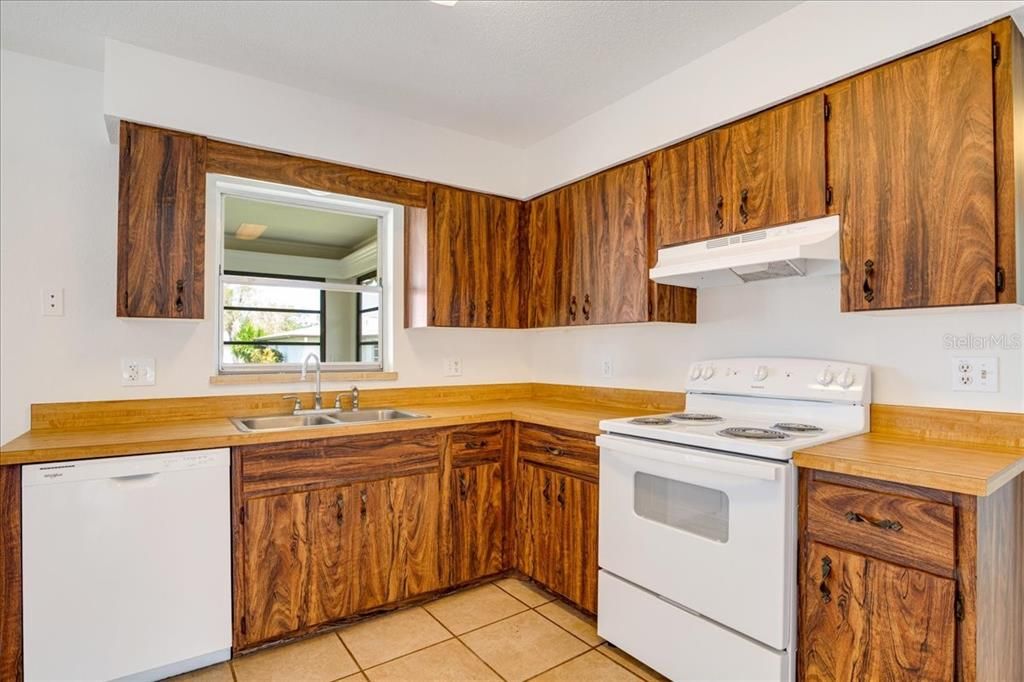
(288, 422)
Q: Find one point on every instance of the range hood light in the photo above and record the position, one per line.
(250, 231)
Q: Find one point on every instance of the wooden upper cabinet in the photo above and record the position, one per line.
(551, 251)
(689, 184)
(473, 255)
(161, 223)
(776, 160)
(766, 170)
(912, 164)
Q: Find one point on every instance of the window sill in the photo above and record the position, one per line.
(293, 377)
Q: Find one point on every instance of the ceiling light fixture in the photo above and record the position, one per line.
(250, 231)
(446, 3)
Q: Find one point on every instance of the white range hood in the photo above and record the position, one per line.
(796, 250)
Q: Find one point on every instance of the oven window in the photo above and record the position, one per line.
(692, 508)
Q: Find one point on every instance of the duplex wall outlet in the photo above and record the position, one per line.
(453, 367)
(53, 302)
(976, 374)
(138, 371)
(607, 368)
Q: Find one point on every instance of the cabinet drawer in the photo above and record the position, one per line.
(478, 443)
(313, 464)
(912, 532)
(570, 451)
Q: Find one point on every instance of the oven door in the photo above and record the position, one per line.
(714, 532)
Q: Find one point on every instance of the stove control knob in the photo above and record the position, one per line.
(708, 372)
(760, 373)
(846, 379)
(695, 372)
(825, 377)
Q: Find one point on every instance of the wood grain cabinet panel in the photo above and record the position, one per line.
(161, 223)
(914, 159)
(869, 619)
(689, 186)
(776, 160)
(473, 255)
(478, 524)
(551, 247)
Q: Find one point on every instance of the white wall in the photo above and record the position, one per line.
(799, 318)
(231, 106)
(58, 227)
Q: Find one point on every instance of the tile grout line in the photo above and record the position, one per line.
(408, 653)
(349, 651)
(619, 663)
(469, 648)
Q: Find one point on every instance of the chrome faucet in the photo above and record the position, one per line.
(355, 398)
(318, 401)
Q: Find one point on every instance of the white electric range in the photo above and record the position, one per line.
(697, 544)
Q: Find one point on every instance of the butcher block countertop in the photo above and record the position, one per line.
(60, 444)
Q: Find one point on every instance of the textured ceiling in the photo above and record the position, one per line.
(509, 71)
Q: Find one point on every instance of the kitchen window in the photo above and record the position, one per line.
(300, 272)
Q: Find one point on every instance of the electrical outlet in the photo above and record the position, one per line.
(53, 302)
(453, 367)
(607, 368)
(976, 374)
(138, 371)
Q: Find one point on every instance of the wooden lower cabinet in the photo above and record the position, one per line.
(556, 532)
(870, 619)
(898, 582)
(478, 522)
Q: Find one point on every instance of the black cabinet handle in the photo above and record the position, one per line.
(719, 218)
(341, 509)
(179, 288)
(826, 571)
(476, 444)
(869, 272)
(546, 492)
(561, 493)
(488, 312)
(463, 486)
(744, 213)
(572, 308)
(472, 311)
(884, 524)
(586, 307)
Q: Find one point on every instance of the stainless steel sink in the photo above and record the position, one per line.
(382, 415)
(288, 422)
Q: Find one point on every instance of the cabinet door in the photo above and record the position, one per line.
(610, 218)
(537, 544)
(577, 520)
(913, 171)
(474, 271)
(161, 222)
(777, 162)
(689, 186)
(862, 618)
(336, 534)
(477, 521)
(277, 562)
(550, 239)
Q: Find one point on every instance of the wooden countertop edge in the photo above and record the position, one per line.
(142, 439)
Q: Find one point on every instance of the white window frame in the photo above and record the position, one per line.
(220, 186)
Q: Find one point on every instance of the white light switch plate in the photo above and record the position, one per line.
(138, 371)
(607, 368)
(976, 374)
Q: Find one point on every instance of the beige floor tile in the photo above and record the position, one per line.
(318, 659)
(523, 646)
(524, 591)
(358, 677)
(396, 634)
(473, 608)
(449, 660)
(577, 623)
(214, 673)
(592, 667)
(635, 666)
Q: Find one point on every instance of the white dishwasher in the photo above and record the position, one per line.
(126, 566)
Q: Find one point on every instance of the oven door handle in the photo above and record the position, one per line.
(684, 456)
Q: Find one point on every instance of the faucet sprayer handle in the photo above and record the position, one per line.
(298, 401)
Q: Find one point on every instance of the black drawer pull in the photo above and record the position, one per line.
(476, 444)
(884, 524)
(744, 213)
(718, 212)
(341, 509)
(869, 272)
